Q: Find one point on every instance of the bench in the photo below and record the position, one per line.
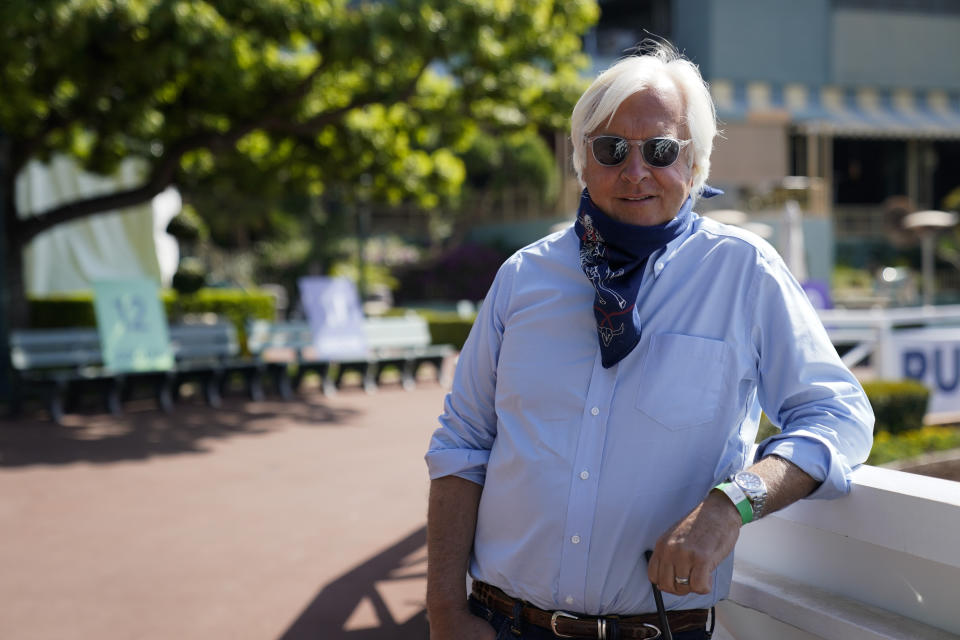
(56, 363)
(210, 354)
(403, 342)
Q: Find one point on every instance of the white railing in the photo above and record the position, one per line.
(869, 332)
(881, 563)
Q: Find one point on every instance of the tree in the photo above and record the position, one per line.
(304, 94)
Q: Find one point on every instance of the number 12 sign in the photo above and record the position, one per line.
(132, 325)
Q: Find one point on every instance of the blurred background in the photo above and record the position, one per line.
(411, 146)
(223, 150)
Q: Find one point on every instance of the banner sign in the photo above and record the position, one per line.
(132, 325)
(335, 316)
(931, 356)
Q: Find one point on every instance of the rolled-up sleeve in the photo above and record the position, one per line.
(825, 417)
(468, 425)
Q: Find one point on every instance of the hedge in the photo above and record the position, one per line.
(235, 305)
(898, 405)
(899, 433)
(446, 327)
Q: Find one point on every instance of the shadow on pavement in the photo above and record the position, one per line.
(389, 586)
(143, 431)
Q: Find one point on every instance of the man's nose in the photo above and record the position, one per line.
(634, 168)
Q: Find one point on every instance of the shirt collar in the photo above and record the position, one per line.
(662, 258)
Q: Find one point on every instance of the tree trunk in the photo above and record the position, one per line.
(11, 287)
(15, 304)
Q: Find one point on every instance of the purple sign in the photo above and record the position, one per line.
(335, 317)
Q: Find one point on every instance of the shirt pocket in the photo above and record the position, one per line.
(682, 380)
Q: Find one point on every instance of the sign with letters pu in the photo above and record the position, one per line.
(931, 356)
(132, 325)
(335, 317)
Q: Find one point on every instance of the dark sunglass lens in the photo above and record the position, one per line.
(661, 152)
(610, 150)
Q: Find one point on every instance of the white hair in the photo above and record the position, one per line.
(634, 74)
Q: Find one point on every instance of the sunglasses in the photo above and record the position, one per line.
(657, 152)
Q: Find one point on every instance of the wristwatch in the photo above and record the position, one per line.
(748, 492)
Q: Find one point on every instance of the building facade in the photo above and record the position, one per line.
(859, 97)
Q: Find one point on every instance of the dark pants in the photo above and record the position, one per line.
(501, 624)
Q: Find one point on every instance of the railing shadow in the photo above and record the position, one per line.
(326, 618)
(143, 431)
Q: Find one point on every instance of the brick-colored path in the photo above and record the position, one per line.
(263, 520)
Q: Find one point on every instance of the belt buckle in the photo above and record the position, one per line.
(553, 623)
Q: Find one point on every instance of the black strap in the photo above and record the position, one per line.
(517, 618)
(664, 623)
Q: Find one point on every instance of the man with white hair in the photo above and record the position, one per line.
(608, 397)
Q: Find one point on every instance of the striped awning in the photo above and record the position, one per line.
(865, 112)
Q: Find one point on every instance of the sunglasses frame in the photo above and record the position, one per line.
(639, 144)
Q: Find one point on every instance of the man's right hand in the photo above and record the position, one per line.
(460, 625)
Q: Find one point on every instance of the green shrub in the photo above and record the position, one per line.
(898, 405)
(889, 446)
(235, 305)
(190, 276)
(446, 327)
(63, 310)
(449, 328)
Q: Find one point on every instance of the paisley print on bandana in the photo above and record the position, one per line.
(613, 255)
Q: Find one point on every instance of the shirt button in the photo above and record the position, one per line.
(584, 474)
(659, 266)
(569, 600)
(575, 539)
(594, 411)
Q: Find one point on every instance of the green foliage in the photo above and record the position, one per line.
(256, 99)
(765, 429)
(898, 405)
(448, 328)
(889, 446)
(63, 310)
(375, 276)
(850, 278)
(190, 276)
(253, 107)
(951, 201)
(235, 305)
(521, 159)
(76, 310)
(188, 227)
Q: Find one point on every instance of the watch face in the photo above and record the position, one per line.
(749, 481)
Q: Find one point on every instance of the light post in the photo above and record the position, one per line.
(927, 224)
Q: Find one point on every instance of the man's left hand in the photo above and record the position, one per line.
(694, 547)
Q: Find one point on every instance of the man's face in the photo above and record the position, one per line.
(634, 192)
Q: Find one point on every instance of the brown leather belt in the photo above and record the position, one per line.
(570, 625)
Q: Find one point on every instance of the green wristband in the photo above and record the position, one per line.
(739, 500)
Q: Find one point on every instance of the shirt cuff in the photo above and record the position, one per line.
(469, 464)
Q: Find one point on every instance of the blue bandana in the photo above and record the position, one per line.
(613, 255)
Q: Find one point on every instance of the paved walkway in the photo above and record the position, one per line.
(263, 520)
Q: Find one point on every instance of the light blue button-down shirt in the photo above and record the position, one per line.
(583, 468)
